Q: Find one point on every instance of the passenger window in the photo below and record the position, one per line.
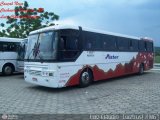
(109, 42)
(123, 44)
(1, 47)
(5, 47)
(133, 45)
(69, 46)
(142, 46)
(149, 46)
(92, 41)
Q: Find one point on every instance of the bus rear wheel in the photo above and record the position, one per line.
(141, 69)
(7, 70)
(86, 78)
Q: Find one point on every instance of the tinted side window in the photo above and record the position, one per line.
(133, 45)
(1, 46)
(12, 47)
(123, 44)
(69, 46)
(72, 43)
(4, 46)
(109, 42)
(8, 46)
(142, 46)
(92, 41)
(149, 46)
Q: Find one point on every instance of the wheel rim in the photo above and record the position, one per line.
(8, 70)
(85, 77)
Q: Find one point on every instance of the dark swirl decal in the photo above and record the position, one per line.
(36, 49)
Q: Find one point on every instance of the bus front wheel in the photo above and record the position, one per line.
(86, 78)
(7, 70)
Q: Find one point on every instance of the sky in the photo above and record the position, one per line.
(139, 18)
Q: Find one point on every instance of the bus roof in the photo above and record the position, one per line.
(58, 27)
(147, 39)
(5, 39)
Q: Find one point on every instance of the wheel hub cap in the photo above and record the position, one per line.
(85, 77)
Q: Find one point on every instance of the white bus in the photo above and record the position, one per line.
(8, 55)
(21, 54)
(60, 56)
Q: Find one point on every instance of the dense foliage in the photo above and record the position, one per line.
(157, 51)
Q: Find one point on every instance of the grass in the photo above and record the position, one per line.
(157, 59)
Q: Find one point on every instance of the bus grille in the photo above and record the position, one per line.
(34, 72)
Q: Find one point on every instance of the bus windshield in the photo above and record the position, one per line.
(42, 46)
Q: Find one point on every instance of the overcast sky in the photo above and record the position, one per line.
(139, 18)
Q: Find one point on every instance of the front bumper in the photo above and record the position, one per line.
(38, 79)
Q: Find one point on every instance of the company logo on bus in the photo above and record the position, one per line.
(36, 49)
(111, 57)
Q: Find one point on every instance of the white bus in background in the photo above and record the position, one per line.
(60, 56)
(21, 53)
(8, 55)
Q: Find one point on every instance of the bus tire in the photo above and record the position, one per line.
(86, 78)
(7, 69)
(141, 69)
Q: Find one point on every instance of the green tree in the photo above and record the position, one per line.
(26, 20)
